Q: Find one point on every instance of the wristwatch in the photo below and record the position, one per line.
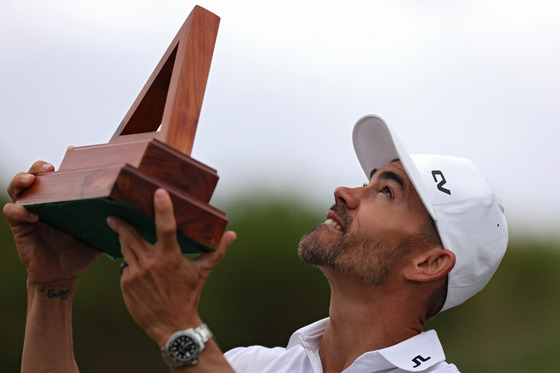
(183, 347)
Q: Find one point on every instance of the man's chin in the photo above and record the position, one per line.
(315, 247)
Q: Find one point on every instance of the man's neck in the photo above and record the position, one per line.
(362, 319)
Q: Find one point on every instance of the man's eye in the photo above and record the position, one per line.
(387, 191)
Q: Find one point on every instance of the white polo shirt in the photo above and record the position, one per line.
(421, 353)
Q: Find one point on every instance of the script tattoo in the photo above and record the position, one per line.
(52, 293)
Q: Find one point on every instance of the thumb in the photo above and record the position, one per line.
(166, 226)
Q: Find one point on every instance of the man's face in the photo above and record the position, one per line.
(369, 228)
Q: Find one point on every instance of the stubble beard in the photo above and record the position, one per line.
(365, 258)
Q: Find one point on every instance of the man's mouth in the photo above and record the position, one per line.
(333, 223)
(334, 220)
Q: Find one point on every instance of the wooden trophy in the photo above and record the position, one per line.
(119, 178)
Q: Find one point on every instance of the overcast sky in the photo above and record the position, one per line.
(479, 79)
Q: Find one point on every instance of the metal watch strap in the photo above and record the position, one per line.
(202, 333)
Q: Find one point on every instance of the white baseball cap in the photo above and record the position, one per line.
(468, 215)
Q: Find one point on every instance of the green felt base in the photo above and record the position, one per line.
(86, 220)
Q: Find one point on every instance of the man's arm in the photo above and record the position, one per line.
(48, 333)
(161, 288)
(53, 260)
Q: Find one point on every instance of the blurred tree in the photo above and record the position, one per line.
(261, 293)
(512, 325)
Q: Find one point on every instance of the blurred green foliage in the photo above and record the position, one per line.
(261, 293)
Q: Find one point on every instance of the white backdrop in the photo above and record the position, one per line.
(479, 79)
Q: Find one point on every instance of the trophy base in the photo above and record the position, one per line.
(86, 220)
(77, 200)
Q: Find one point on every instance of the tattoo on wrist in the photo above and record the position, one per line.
(52, 293)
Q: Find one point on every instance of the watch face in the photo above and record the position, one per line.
(184, 348)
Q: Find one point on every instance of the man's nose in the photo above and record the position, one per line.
(347, 196)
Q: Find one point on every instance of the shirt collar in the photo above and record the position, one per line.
(413, 355)
(309, 336)
(417, 353)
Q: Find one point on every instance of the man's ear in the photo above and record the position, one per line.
(430, 265)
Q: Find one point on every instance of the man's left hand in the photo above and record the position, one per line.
(160, 287)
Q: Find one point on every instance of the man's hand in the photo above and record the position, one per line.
(53, 260)
(160, 287)
(48, 255)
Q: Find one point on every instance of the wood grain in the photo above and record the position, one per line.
(139, 159)
(174, 92)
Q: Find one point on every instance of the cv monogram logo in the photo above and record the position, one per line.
(442, 182)
(418, 360)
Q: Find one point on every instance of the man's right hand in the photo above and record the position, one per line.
(48, 255)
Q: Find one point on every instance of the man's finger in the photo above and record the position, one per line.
(166, 227)
(24, 180)
(15, 214)
(19, 183)
(40, 166)
(129, 239)
(207, 261)
(129, 255)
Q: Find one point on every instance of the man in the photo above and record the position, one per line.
(425, 234)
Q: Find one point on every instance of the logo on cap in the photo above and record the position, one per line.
(442, 182)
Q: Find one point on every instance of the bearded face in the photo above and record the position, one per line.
(352, 253)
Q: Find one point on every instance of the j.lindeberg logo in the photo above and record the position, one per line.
(418, 360)
(442, 182)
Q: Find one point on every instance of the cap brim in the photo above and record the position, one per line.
(376, 146)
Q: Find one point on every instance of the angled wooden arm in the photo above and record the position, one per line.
(172, 96)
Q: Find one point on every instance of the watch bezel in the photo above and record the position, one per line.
(199, 337)
(195, 352)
